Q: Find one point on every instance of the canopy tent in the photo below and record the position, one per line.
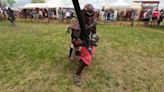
(148, 3)
(118, 4)
(55, 3)
(48, 4)
(135, 5)
(35, 5)
(151, 1)
(68, 3)
(98, 4)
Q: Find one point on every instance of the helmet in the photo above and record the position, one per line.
(88, 14)
(88, 10)
(88, 7)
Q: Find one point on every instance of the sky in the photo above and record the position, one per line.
(23, 2)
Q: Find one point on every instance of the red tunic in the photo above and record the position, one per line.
(85, 55)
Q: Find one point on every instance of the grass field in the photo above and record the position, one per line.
(33, 58)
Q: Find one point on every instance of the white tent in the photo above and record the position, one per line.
(48, 4)
(145, 0)
(68, 3)
(35, 5)
(135, 5)
(98, 4)
(118, 4)
(55, 3)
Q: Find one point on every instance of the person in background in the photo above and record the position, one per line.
(1, 14)
(102, 14)
(115, 15)
(11, 16)
(49, 15)
(161, 15)
(34, 14)
(146, 17)
(40, 14)
(155, 14)
(60, 12)
(133, 13)
(68, 15)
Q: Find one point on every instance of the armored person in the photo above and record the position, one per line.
(79, 47)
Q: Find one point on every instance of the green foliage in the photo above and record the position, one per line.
(37, 1)
(11, 2)
(2, 3)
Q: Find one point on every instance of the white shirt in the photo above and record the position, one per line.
(68, 14)
(41, 13)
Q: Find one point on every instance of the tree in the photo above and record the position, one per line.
(2, 3)
(11, 2)
(38, 1)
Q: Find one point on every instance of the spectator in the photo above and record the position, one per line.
(68, 15)
(115, 15)
(1, 14)
(161, 15)
(60, 12)
(155, 14)
(40, 14)
(49, 15)
(146, 17)
(11, 17)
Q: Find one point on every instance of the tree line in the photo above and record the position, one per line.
(4, 3)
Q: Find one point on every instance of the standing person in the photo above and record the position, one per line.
(132, 16)
(49, 15)
(146, 17)
(68, 15)
(79, 46)
(103, 14)
(40, 14)
(111, 15)
(1, 14)
(155, 15)
(161, 15)
(63, 15)
(11, 17)
(60, 14)
(115, 15)
(98, 15)
(4, 13)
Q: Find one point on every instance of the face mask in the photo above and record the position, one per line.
(88, 14)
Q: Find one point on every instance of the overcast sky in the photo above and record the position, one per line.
(23, 2)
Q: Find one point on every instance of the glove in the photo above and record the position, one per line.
(77, 42)
(90, 50)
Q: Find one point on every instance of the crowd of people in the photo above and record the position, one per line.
(153, 15)
(38, 15)
(68, 15)
(113, 15)
(50, 14)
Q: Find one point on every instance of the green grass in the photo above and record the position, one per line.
(33, 58)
